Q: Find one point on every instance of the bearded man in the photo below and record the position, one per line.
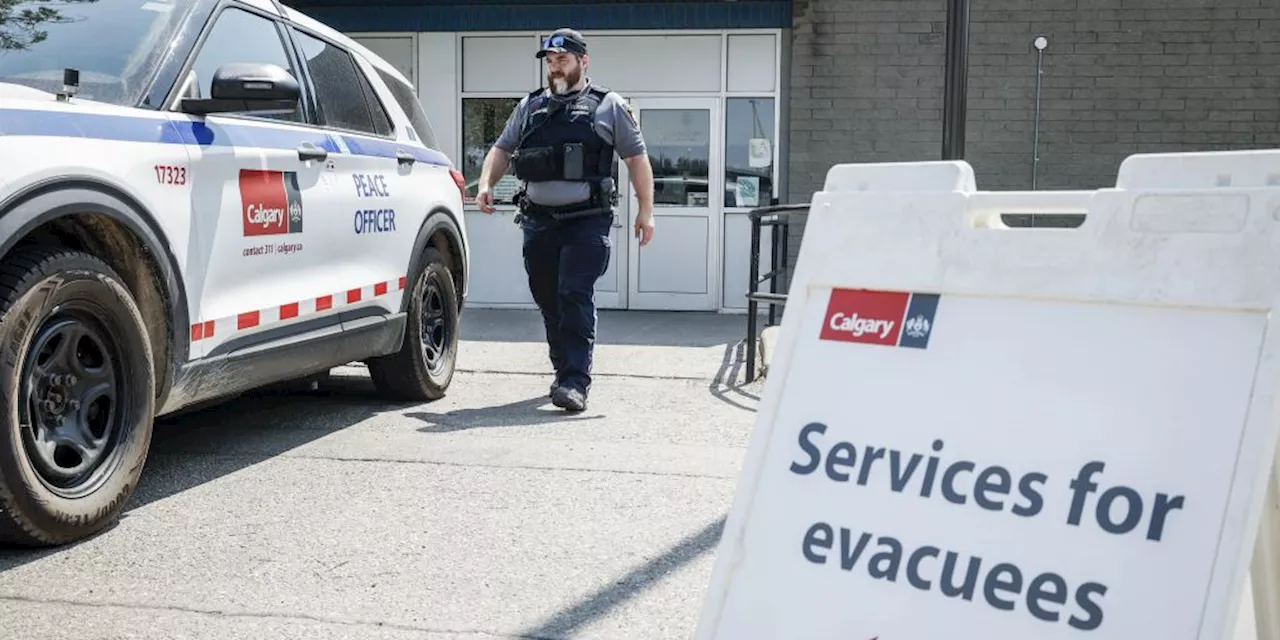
(561, 140)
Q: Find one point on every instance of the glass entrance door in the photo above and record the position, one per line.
(676, 270)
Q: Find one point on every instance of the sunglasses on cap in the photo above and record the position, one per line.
(562, 43)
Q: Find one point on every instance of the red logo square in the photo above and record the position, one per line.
(860, 315)
(265, 204)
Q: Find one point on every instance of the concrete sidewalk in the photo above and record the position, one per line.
(670, 345)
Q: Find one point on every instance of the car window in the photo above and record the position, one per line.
(381, 119)
(241, 36)
(411, 106)
(345, 97)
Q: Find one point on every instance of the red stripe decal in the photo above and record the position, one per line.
(247, 320)
(197, 332)
(250, 319)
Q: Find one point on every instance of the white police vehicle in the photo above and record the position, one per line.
(199, 198)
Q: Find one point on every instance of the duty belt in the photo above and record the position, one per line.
(596, 204)
(567, 211)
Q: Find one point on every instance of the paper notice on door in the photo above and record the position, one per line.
(759, 153)
(748, 191)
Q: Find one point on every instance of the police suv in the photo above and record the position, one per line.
(199, 198)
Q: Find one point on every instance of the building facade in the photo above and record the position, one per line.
(745, 101)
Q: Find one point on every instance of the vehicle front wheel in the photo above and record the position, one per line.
(78, 393)
(423, 368)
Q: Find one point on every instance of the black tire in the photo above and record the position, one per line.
(45, 296)
(423, 367)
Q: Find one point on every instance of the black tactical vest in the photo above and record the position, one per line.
(559, 141)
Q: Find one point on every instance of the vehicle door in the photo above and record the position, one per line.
(371, 228)
(264, 196)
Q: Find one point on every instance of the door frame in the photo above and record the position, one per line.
(709, 301)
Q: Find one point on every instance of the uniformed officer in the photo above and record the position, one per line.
(560, 140)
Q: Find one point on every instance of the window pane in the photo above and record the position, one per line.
(337, 85)
(482, 122)
(381, 121)
(240, 36)
(748, 153)
(679, 144)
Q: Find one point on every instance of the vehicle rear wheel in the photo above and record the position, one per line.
(78, 394)
(423, 368)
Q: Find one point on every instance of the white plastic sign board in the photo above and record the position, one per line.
(972, 431)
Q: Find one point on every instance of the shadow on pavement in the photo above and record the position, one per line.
(728, 379)
(534, 411)
(192, 449)
(597, 605)
(634, 328)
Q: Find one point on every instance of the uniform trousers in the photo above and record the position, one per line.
(563, 260)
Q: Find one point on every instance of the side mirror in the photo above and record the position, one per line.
(248, 87)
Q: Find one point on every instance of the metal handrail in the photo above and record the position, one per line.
(777, 216)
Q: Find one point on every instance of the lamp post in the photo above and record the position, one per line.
(1039, 43)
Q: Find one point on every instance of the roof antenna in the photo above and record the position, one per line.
(70, 84)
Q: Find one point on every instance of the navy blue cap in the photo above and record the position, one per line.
(564, 41)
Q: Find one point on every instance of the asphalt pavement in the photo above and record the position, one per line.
(328, 513)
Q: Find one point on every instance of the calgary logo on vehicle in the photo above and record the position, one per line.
(271, 201)
(894, 318)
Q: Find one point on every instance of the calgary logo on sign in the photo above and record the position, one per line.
(892, 318)
(271, 202)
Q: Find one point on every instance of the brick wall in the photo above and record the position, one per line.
(1120, 77)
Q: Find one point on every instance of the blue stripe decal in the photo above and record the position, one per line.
(98, 126)
(231, 135)
(384, 149)
(19, 122)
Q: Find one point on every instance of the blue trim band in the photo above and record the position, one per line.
(150, 129)
(225, 135)
(385, 149)
(350, 16)
(23, 122)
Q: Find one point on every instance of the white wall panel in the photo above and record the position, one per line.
(752, 62)
(655, 63)
(499, 63)
(438, 89)
(396, 50)
(497, 261)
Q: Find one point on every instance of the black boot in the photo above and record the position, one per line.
(569, 398)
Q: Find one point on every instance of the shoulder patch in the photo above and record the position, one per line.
(631, 112)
